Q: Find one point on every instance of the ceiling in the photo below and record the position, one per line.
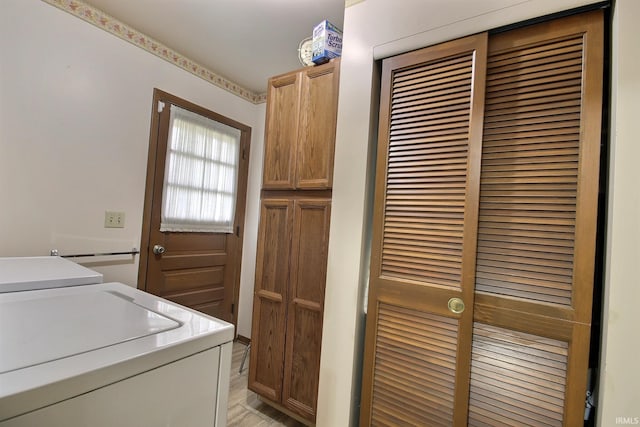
(244, 41)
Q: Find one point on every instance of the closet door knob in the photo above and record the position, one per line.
(158, 249)
(456, 305)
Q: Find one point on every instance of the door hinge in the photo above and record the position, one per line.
(244, 153)
(237, 230)
(233, 308)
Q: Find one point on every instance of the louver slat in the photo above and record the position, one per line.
(517, 379)
(529, 174)
(427, 171)
(415, 366)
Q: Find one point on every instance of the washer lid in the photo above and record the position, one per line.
(72, 340)
(28, 273)
(41, 330)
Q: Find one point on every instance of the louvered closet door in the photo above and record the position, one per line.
(423, 254)
(537, 224)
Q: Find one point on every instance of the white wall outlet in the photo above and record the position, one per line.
(113, 219)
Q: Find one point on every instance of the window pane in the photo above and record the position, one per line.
(201, 174)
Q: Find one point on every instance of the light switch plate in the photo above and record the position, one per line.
(113, 219)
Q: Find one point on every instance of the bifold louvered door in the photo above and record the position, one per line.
(522, 263)
(423, 252)
(537, 224)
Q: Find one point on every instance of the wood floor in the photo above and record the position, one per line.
(245, 409)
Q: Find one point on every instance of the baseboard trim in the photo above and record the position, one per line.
(286, 411)
(243, 340)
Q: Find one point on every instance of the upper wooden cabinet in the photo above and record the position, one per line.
(301, 128)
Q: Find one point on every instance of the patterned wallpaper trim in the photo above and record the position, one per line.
(125, 32)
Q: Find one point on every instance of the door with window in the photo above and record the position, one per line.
(194, 207)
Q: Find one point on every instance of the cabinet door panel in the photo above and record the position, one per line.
(283, 117)
(306, 302)
(270, 294)
(319, 106)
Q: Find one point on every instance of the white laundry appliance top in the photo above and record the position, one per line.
(59, 343)
(26, 273)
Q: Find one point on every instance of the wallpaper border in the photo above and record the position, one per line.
(108, 23)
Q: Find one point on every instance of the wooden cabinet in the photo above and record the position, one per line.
(288, 302)
(301, 127)
(293, 237)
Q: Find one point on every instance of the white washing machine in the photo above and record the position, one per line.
(105, 355)
(28, 273)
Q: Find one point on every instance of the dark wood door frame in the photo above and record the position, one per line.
(161, 96)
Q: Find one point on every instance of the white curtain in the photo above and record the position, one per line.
(201, 174)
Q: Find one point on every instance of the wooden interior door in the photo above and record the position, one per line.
(418, 338)
(537, 224)
(307, 279)
(269, 299)
(317, 132)
(198, 270)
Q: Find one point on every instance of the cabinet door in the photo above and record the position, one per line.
(283, 118)
(306, 302)
(269, 308)
(317, 132)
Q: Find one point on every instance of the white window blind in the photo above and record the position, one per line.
(201, 174)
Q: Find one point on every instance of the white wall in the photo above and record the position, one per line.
(75, 110)
(620, 375)
(375, 29)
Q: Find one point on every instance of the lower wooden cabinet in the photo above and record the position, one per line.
(288, 302)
